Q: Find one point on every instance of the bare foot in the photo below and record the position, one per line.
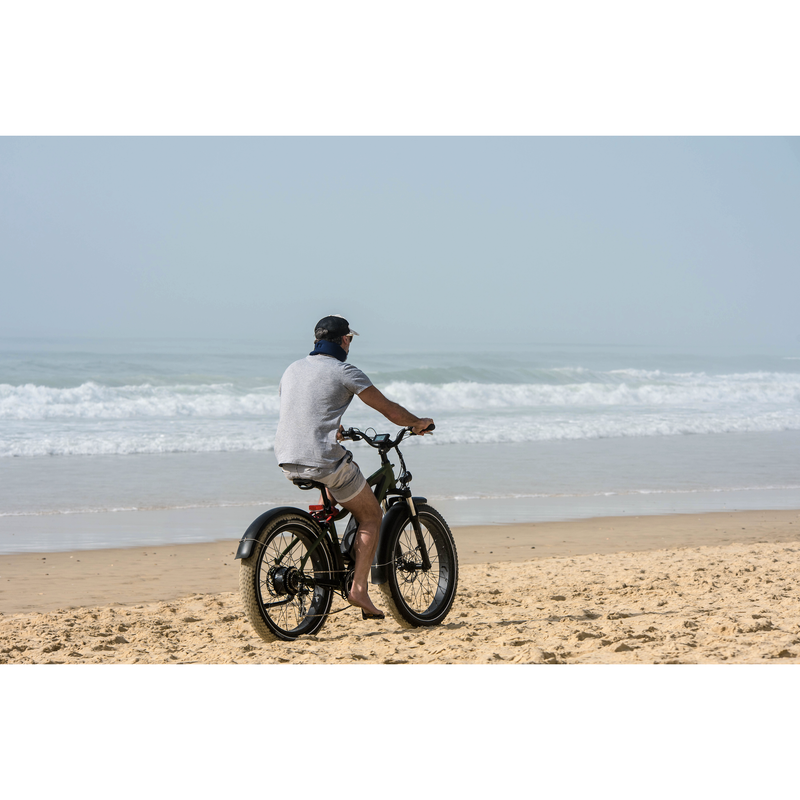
(363, 602)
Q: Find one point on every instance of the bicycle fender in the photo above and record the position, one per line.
(396, 514)
(247, 542)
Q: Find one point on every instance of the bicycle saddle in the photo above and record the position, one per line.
(305, 483)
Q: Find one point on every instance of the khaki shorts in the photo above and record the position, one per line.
(345, 482)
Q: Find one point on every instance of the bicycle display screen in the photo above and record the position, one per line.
(381, 438)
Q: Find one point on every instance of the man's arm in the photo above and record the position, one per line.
(394, 412)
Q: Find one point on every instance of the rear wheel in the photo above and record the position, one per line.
(279, 591)
(416, 596)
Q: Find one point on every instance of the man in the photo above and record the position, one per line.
(315, 392)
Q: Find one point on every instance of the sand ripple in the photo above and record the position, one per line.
(735, 603)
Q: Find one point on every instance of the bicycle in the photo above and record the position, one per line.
(292, 561)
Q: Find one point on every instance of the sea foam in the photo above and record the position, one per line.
(95, 401)
(633, 388)
(573, 403)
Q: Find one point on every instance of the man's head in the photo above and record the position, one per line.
(334, 328)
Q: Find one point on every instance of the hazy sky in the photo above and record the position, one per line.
(670, 241)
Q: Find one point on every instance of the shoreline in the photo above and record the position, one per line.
(47, 533)
(40, 582)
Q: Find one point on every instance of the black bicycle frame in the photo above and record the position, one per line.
(384, 484)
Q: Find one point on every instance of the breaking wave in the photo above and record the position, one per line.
(569, 403)
(95, 401)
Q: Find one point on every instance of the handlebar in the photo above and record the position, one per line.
(382, 440)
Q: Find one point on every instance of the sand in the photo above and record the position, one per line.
(710, 588)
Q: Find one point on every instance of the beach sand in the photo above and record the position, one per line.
(709, 588)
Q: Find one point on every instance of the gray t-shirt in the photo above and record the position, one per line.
(315, 392)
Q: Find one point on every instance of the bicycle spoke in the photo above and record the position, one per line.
(288, 599)
(418, 587)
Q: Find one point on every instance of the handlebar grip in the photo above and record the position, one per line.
(431, 427)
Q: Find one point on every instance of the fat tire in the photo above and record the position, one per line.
(255, 580)
(406, 604)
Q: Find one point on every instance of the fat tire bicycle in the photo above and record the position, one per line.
(293, 562)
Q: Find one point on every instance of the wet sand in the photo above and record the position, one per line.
(709, 588)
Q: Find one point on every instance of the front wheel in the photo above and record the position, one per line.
(416, 596)
(277, 582)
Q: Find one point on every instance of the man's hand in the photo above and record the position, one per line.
(419, 427)
(339, 433)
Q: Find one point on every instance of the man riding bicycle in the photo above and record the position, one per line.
(314, 393)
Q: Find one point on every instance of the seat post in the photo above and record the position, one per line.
(326, 508)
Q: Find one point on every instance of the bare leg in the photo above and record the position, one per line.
(367, 511)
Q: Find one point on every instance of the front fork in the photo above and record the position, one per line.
(423, 550)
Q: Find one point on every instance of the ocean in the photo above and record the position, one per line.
(109, 443)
